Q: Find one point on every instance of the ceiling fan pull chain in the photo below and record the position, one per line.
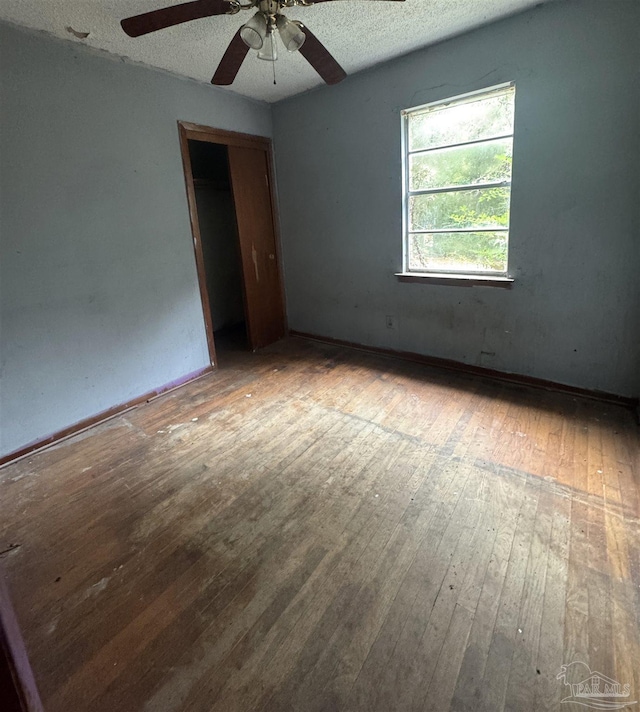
(274, 72)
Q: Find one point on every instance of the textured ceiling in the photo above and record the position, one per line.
(359, 34)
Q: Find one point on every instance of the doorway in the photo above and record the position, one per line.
(229, 189)
(220, 248)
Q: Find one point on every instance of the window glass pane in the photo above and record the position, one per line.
(459, 252)
(479, 163)
(469, 121)
(476, 208)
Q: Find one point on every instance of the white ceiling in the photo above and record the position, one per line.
(359, 34)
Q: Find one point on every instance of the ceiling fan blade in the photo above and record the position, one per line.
(319, 58)
(169, 16)
(231, 61)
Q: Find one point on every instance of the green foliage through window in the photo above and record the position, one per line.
(458, 164)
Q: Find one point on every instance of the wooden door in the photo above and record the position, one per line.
(264, 307)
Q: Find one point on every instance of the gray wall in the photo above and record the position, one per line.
(574, 314)
(99, 296)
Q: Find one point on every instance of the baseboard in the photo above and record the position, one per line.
(475, 370)
(87, 423)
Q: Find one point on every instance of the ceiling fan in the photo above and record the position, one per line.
(258, 33)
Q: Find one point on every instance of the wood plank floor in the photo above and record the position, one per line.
(317, 529)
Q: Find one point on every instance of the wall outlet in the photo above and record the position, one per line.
(391, 322)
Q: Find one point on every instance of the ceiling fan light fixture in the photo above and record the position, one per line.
(269, 51)
(254, 32)
(291, 33)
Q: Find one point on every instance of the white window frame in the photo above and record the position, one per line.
(407, 193)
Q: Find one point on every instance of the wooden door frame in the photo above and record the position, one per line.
(197, 132)
(18, 688)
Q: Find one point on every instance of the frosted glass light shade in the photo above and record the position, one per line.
(269, 51)
(291, 34)
(253, 33)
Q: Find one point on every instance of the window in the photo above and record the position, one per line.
(457, 184)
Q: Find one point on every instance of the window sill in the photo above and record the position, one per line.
(456, 280)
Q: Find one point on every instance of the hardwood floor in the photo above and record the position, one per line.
(315, 529)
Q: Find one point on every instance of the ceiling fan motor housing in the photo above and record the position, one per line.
(269, 7)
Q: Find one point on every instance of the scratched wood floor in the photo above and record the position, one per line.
(316, 529)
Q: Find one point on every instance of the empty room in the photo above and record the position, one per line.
(319, 355)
